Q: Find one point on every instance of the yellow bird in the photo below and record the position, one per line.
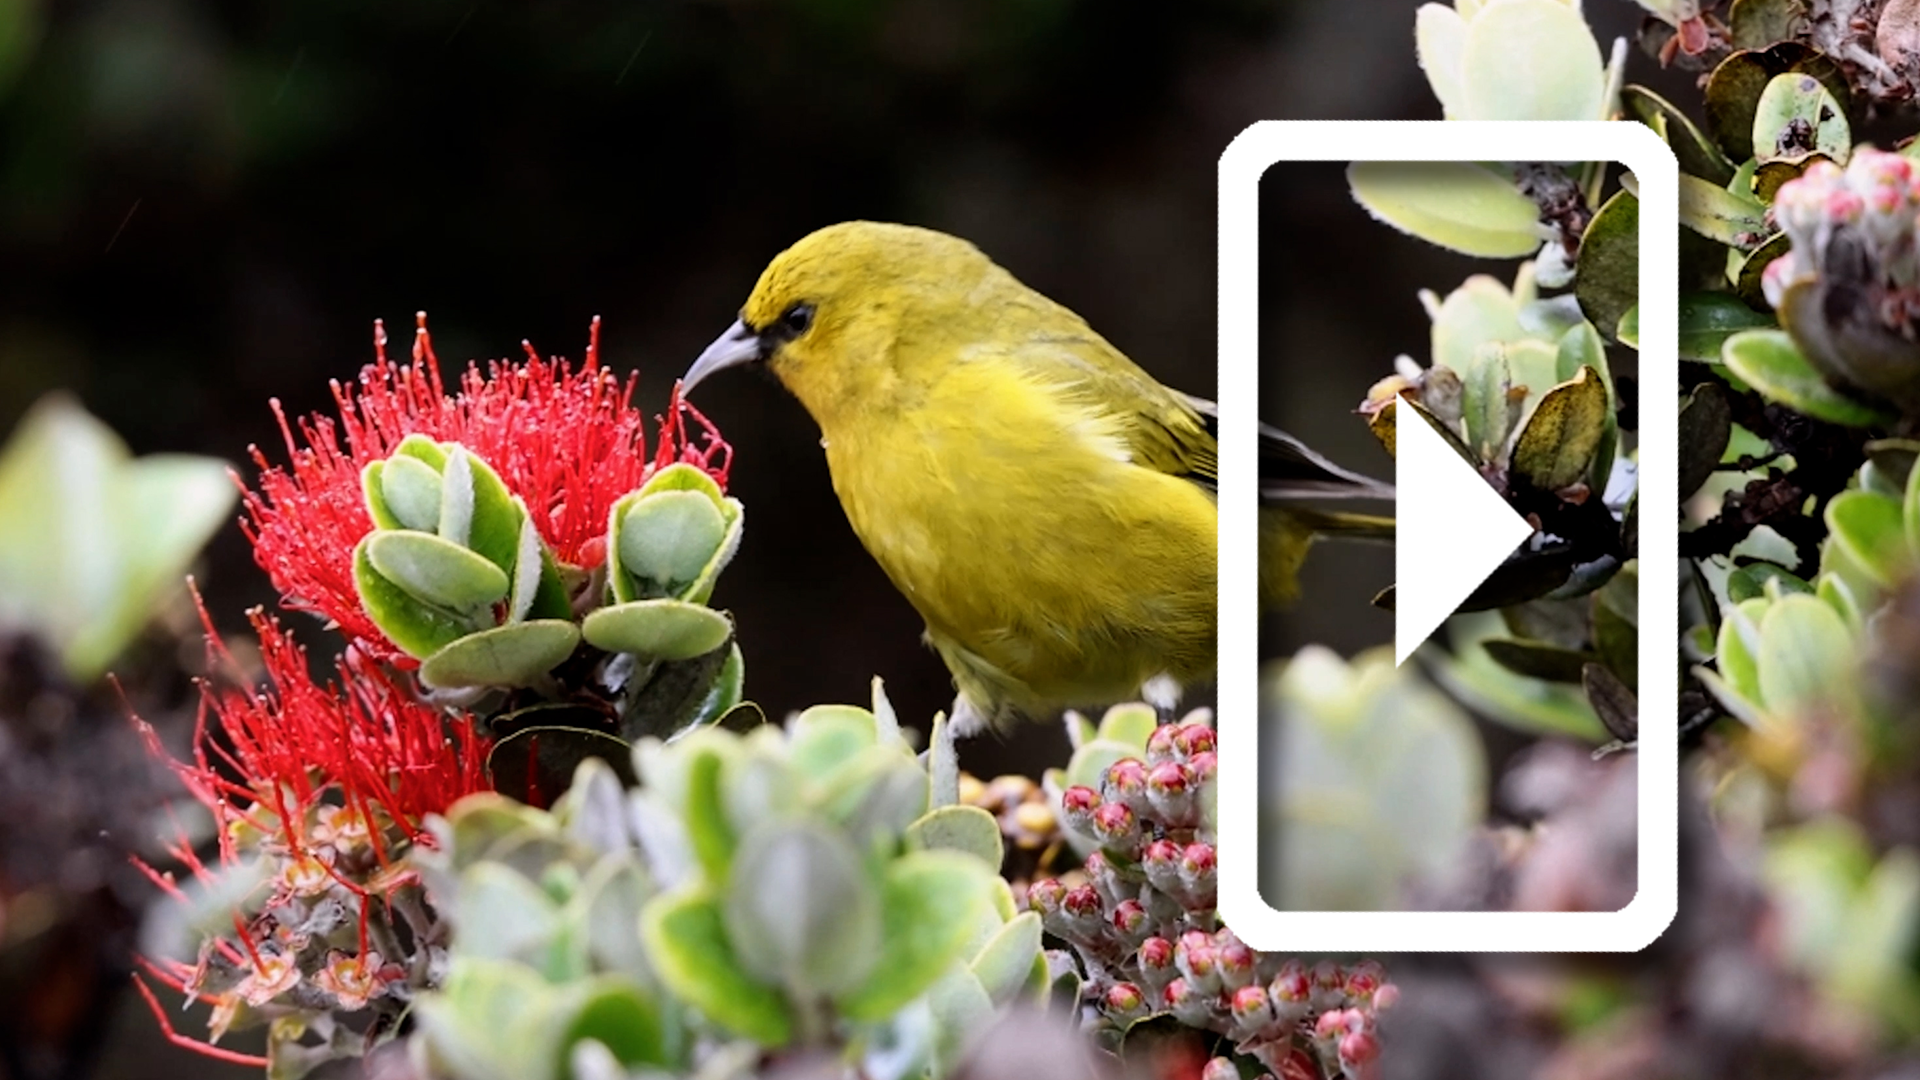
(1045, 505)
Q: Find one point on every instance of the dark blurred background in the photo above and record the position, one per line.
(205, 204)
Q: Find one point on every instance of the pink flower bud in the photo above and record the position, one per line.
(1187, 1005)
(1082, 902)
(1155, 957)
(1127, 782)
(1386, 997)
(1077, 805)
(1237, 962)
(1191, 739)
(1198, 874)
(1160, 745)
(1124, 1001)
(1170, 792)
(1358, 1048)
(1292, 984)
(1200, 965)
(1104, 878)
(1130, 921)
(1046, 895)
(1160, 861)
(1115, 826)
(1251, 1009)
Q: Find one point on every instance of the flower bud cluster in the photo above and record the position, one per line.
(1144, 926)
(1869, 209)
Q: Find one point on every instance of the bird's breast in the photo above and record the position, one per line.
(1021, 531)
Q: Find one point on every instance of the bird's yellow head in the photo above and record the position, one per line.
(841, 317)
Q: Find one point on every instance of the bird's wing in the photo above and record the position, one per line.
(1176, 433)
(1161, 428)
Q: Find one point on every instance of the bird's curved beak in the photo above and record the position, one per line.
(739, 345)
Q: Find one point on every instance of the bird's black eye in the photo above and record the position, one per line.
(797, 319)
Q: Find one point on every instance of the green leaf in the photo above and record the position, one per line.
(505, 656)
(506, 917)
(894, 792)
(1708, 319)
(1559, 441)
(930, 901)
(1750, 581)
(620, 1017)
(1383, 779)
(1720, 215)
(494, 1020)
(961, 1007)
(681, 476)
(1537, 660)
(1617, 641)
(1532, 60)
(92, 539)
(726, 689)
(435, 570)
(1458, 205)
(1528, 705)
(1130, 723)
(409, 492)
(1613, 702)
(1489, 403)
(678, 696)
(1794, 118)
(1479, 311)
(456, 497)
(1769, 361)
(1734, 89)
(1872, 528)
(1004, 963)
(668, 538)
(1706, 426)
(1748, 271)
(495, 528)
(959, 828)
(1910, 510)
(1803, 644)
(1089, 765)
(658, 629)
(418, 628)
(1607, 272)
(1697, 154)
(709, 828)
(801, 911)
(685, 934)
(826, 737)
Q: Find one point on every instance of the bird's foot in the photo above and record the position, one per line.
(1163, 693)
(966, 720)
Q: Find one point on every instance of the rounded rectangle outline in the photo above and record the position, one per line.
(1241, 906)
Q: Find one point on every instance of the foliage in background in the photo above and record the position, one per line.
(1800, 542)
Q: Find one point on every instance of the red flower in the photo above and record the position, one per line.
(566, 440)
(389, 759)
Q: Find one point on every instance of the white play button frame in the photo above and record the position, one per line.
(1427, 536)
